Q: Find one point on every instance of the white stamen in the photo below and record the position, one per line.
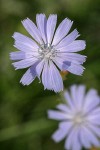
(47, 51)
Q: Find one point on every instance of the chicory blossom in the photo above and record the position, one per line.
(48, 51)
(79, 119)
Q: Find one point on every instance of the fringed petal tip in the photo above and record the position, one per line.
(53, 90)
(84, 44)
(13, 64)
(10, 55)
(23, 83)
(40, 14)
(14, 35)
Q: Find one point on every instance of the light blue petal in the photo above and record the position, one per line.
(95, 129)
(46, 77)
(59, 61)
(63, 108)
(62, 30)
(92, 137)
(41, 23)
(72, 57)
(58, 115)
(51, 25)
(73, 90)
(70, 62)
(39, 68)
(76, 142)
(67, 40)
(84, 139)
(91, 101)
(76, 69)
(29, 76)
(95, 111)
(69, 100)
(51, 77)
(94, 118)
(32, 30)
(24, 43)
(24, 63)
(59, 135)
(55, 78)
(66, 125)
(72, 141)
(80, 96)
(17, 55)
(75, 46)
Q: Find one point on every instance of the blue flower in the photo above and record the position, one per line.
(48, 52)
(80, 119)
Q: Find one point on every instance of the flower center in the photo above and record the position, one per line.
(47, 51)
(79, 119)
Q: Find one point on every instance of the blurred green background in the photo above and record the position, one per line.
(23, 118)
